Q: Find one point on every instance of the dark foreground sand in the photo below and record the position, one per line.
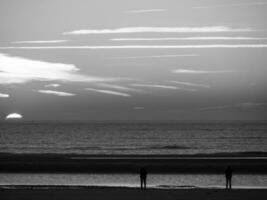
(102, 193)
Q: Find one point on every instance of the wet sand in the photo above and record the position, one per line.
(106, 193)
(55, 163)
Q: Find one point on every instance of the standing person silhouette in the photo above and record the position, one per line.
(143, 175)
(228, 177)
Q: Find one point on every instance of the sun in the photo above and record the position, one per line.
(14, 116)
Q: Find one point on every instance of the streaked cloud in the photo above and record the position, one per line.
(232, 5)
(156, 86)
(188, 38)
(117, 87)
(156, 56)
(189, 71)
(240, 105)
(190, 84)
(145, 11)
(208, 46)
(21, 70)
(39, 41)
(57, 93)
(53, 85)
(204, 29)
(111, 92)
(2, 95)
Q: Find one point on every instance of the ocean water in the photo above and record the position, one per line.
(161, 137)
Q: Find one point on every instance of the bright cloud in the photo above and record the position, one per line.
(109, 92)
(190, 84)
(57, 93)
(205, 29)
(188, 71)
(208, 46)
(2, 95)
(188, 38)
(145, 11)
(39, 41)
(22, 70)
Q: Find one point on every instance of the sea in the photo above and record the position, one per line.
(134, 138)
(131, 137)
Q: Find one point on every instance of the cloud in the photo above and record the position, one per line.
(117, 87)
(39, 41)
(204, 29)
(145, 11)
(168, 87)
(232, 5)
(240, 105)
(109, 92)
(57, 93)
(208, 46)
(53, 85)
(22, 70)
(190, 84)
(156, 86)
(188, 71)
(156, 56)
(2, 95)
(188, 38)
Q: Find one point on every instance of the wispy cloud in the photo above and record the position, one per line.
(156, 86)
(240, 105)
(188, 71)
(22, 70)
(39, 41)
(145, 11)
(2, 95)
(208, 46)
(190, 84)
(111, 92)
(205, 29)
(188, 38)
(53, 85)
(232, 5)
(156, 56)
(57, 93)
(117, 87)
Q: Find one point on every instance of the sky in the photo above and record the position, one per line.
(133, 60)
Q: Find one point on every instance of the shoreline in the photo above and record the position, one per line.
(68, 163)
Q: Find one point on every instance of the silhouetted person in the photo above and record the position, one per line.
(228, 177)
(143, 175)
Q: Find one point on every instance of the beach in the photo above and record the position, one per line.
(183, 160)
(103, 193)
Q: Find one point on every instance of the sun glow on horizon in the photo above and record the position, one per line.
(14, 116)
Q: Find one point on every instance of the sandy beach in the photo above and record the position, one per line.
(102, 193)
